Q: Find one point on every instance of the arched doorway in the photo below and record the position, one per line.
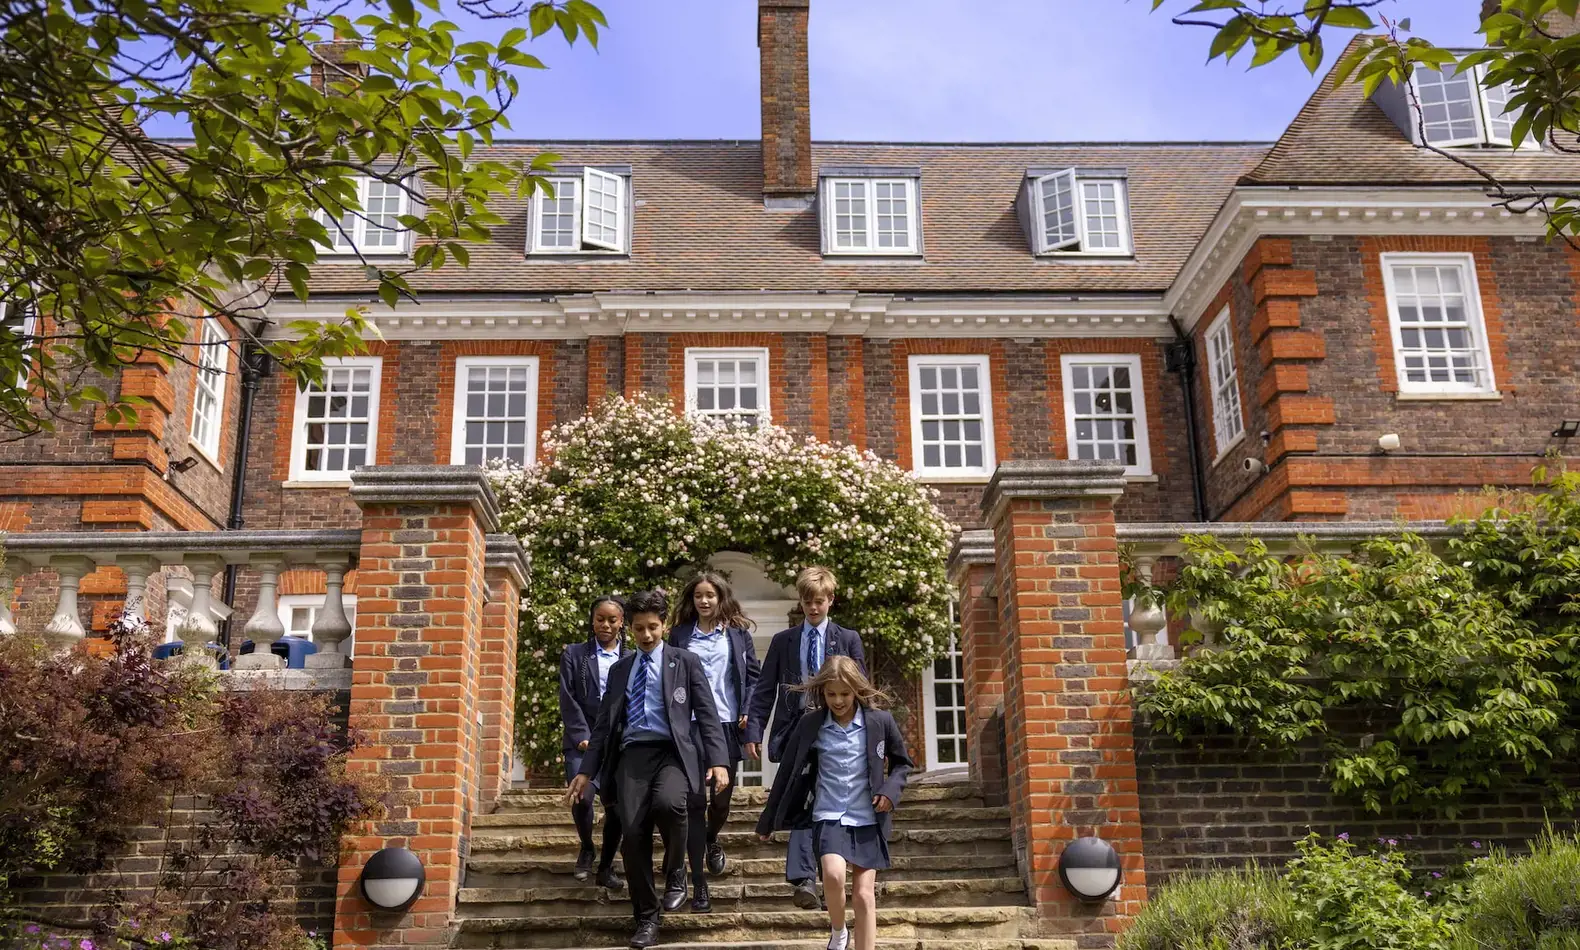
(768, 605)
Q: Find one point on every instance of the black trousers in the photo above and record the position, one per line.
(582, 814)
(708, 812)
(651, 790)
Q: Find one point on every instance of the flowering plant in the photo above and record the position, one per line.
(634, 494)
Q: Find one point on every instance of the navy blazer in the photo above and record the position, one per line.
(744, 668)
(782, 670)
(686, 690)
(579, 699)
(792, 799)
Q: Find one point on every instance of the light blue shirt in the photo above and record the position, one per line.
(713, 649)
(822, 647)
(606, 662)
(652, 699)
(844, 789)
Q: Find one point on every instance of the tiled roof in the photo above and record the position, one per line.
(1341, 137)
(700, 223)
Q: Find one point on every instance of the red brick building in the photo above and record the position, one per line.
(1239, 324)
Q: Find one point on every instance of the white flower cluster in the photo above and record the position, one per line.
(626, 496)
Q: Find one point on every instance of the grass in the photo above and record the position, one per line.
(1530, 902)
(1221, 910)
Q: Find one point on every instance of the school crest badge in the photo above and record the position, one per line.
(881, 751)
(679, 695)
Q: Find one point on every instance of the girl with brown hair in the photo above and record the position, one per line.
(842, 774)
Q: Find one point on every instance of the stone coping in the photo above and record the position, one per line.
(235, 547)
(1050, 479)
(315, 680)
(428, 485)
(504, 552)
(970, 548)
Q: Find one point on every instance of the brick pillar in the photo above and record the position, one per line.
(1067, 709)
(505, 574)
(981, 660)
(417, 693)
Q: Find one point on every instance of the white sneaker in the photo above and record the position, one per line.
(839, 941)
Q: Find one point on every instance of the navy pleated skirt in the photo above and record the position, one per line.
(861, 845)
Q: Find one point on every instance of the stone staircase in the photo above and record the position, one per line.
(953, 885)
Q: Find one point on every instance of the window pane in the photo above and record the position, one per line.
(1448, 111)
(338, 423)
(948, 404)
(729, 389)
(499, 407)
(1102, 404)
(1431, 308)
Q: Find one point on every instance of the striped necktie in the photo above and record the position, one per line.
(636, 694)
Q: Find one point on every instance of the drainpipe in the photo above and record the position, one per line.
(255, 365)
(1180, 357)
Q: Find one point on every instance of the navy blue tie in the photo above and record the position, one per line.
(811, 653)
(636, 695)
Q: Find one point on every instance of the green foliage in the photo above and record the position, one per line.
(1249, 909)
(1525, 903)
(1540, 68)
(1353, 900)
(104, 228)
(634, 496)
(1461, 667)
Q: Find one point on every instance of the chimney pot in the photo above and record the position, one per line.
(786, 100)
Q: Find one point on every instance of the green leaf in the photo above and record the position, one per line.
(1350, 18)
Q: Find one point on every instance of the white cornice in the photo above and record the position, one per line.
(1252, 213)
(879, 316)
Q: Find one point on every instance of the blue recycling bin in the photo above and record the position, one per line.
(294, 649)
(164, 651)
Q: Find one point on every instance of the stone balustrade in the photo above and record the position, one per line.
(1149, 543)
(142, 555)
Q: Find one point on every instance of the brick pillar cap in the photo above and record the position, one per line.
(504, 552)
(779, 4)
(971, 549)
(427, 485)
(1048, 479)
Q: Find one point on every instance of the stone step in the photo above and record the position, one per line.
(744, 817)
(587, 900)
(884, 944)
(526, 929)
(531, 870)
(743, 845)
(957, 792)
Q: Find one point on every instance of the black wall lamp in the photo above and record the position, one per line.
(392, 879)
(1567, 429)
(1089, 869)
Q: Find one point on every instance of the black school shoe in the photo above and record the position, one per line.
(700, 902)
(584, 864)
(646, 935)
(608, 879)
(805, 895)
(716, 862)
(674, 893)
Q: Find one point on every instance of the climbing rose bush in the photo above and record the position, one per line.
(634, 496)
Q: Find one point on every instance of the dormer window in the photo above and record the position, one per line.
(1451, 108)
(588, 213)
(377, 229)
(1077, 211)
(870, 211)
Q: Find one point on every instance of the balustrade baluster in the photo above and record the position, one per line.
(65, 628)
(137, 571)
(7, 591)
(264, 626)
(332, 626)
(199, 628)
(1149, 621)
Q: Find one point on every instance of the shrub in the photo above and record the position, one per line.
(1249, 909)
(1354, 900)
(1525, 903)
(634, 495)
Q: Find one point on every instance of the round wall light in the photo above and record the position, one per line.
(1089, 868)
(392, 879)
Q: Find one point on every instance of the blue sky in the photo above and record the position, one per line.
(929, 70)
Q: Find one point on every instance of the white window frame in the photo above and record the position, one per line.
(1483, 101)
(1228, 411)
(982, 364)
(869, 190)
(314, 603)
(694, 355)
(930, 703)
(210, 378)
(1475, 323)
(460, 415)
(590, 237)
(299, 471)
(25, 329)
(351, 237)
(1078, 244)
(1067, 362)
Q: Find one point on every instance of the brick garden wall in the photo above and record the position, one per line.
(1211, 803)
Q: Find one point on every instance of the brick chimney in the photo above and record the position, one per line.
(788, 180)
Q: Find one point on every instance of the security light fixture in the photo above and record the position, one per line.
(392, 879)
(1567, 429)
(185, 464)
(1388, 442)
(1089, 869)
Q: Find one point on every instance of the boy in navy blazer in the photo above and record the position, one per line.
(584, 677)
(794, 656)
(643, 749)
